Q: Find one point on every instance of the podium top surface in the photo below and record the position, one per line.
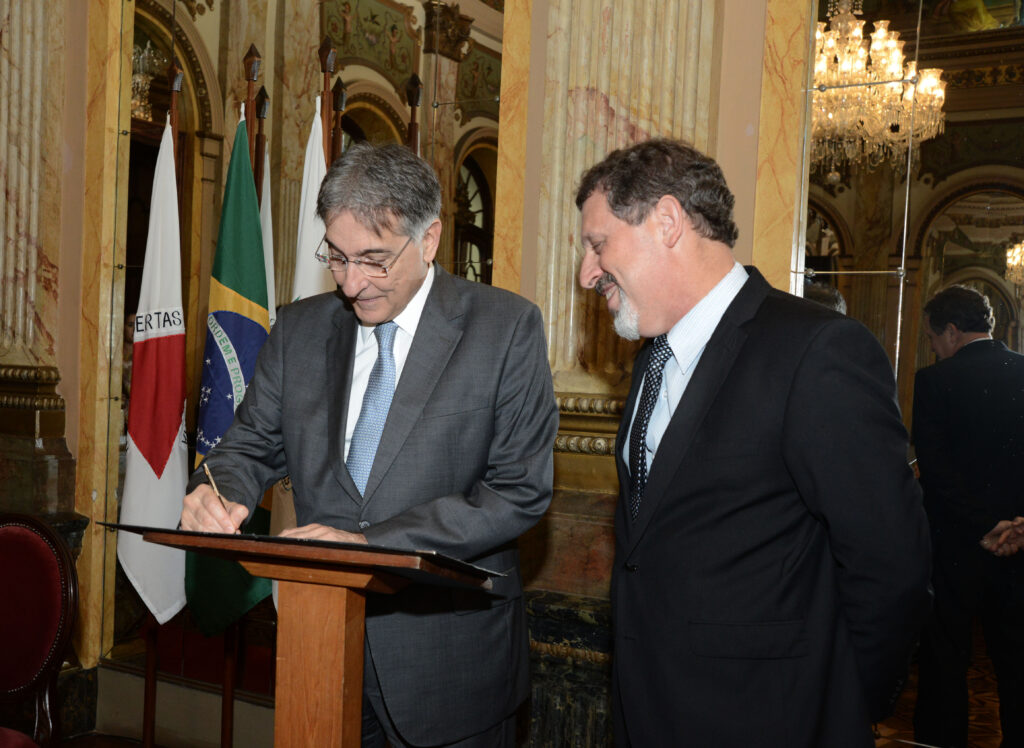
(419, 566)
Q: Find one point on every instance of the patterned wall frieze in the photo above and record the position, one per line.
(995, 75)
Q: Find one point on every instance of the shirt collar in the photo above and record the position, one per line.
(409, 318)
(690, 334)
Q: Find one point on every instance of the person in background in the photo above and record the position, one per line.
(968, 432)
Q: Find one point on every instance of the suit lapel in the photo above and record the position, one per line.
(338, 375)
(621, 466)
(437, 334)
(715, 363)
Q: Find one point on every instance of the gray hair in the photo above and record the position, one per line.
(634, 179)
(383, 187)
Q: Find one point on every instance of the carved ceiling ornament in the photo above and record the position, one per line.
(197, 7)
(447, 30)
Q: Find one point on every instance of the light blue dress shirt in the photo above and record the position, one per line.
(687, 338)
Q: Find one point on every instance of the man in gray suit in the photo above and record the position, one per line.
(412, 410)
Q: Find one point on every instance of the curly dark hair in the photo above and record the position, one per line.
(967, 309)
(634, 179)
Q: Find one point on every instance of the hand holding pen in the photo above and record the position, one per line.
(206, 509)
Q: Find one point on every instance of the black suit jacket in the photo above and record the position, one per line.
(771, 589)
(969, 436)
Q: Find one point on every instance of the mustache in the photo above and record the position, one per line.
(603, 282)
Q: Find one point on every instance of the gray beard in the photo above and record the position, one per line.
(627, 322)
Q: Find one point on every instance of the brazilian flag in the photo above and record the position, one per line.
(220, 592)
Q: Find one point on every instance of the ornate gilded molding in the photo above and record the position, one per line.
(588, 405)
(32, 402)
(587, 445)
(565, 652)
(995, 75)
(184, 49)
(198, 7)
(29, 374)
(381, 107)
(30, 388)
(447, 30)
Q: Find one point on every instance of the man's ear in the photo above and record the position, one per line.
(670, 219)
(431, 239)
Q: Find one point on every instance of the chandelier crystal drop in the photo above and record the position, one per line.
(869, 106)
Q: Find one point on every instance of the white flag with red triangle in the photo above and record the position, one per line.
(156, 464)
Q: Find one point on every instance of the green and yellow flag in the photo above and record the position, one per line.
(220, 592)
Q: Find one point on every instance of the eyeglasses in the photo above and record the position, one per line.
(371, 269)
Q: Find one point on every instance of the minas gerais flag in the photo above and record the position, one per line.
(156, 462)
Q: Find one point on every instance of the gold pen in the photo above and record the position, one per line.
(213, 485)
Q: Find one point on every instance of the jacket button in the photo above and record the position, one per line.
(630, 567)
(363, 525)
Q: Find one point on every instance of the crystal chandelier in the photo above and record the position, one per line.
(869, 106)
(1015, 264)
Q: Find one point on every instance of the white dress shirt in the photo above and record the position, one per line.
(366, 352)
(687, 339)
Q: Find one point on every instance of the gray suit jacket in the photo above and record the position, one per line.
(464, 467)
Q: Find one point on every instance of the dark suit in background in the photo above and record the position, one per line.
(772, 584)
(969, 436)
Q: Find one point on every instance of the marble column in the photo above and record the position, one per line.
(35, 465)
(107, 33)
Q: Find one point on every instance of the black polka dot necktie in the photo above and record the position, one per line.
(660, 353)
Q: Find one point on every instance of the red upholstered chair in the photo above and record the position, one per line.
(39, 601)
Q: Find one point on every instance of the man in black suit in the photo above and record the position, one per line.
(771, 553)
(969, 436)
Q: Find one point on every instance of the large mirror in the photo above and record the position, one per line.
(915, 181)
(914, 162)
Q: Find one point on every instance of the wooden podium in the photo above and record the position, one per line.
(320, 622)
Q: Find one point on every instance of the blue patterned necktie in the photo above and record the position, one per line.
(660, 353)
(376, 402)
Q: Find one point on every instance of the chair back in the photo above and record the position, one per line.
(39, 597)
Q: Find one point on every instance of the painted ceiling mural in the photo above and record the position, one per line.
(377, 33)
